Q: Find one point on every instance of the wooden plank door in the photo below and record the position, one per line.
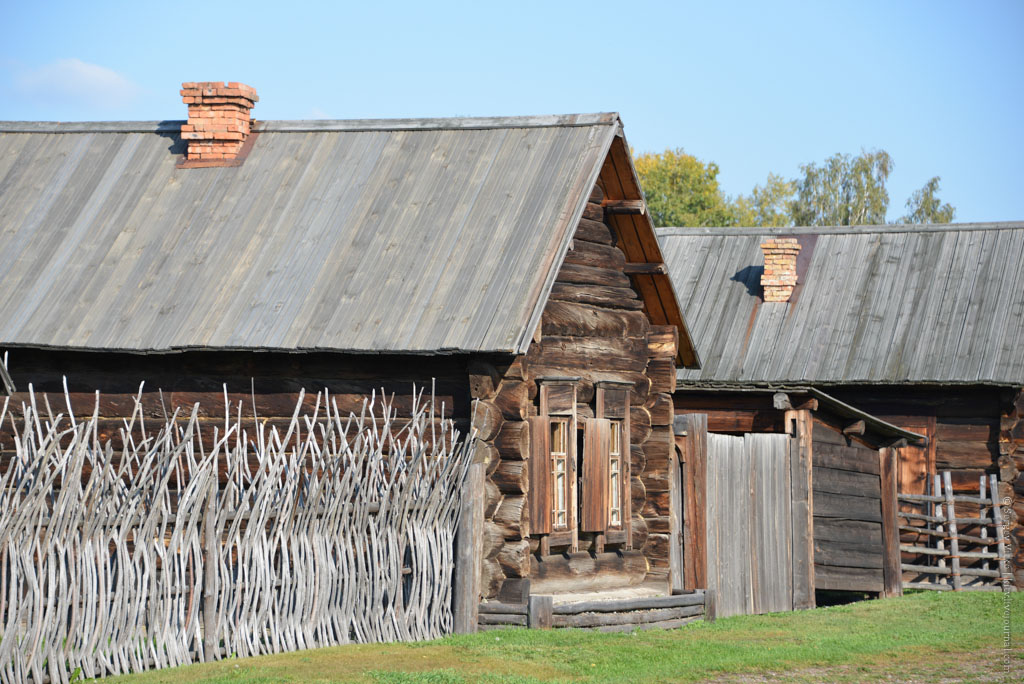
(749, 523)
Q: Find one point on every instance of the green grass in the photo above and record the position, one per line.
(918, 637)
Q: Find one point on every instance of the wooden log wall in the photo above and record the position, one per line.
(268, 382)
(594, 328)
(848, 534)
(972, 431)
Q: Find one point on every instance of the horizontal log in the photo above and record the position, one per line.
(738, 421)
(626, 618)
(492, 498)
(513, 399)
(593, 211)
(695, 598)
(487, 419)
(657, 505)
(639, 531)
(577, 572)
(828, 505)
(567, 319)
(951, 454)
(269, 404)
(660, 525)
(637, 459)
(491, 578)
(513, 440)
(487, 453)
(657, 546)
(513, 517)
(846, 482)
(494, 539)
(624, 206)
(514, 558)
(844, 458)
(500, 608)
(663, 342)
(483, 379)
(847, 555)
(590, 230)
(847, 579)
(511, 620)
(662, 373)
(644, 268)
(593, 254)
(596, 194)
(591, 275)
(659, 406)
(639, 425)
(610, 297)
(848, 531)
(968, 430)
(512, 477)
(623, 354)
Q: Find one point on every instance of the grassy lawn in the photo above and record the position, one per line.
(925, 637)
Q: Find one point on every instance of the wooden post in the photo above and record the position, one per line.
(1005, 575)
(675, 526)
(801, 458)
(211, 552)
(954, 541)
(694, 498)
(469, 544)
(710, 609)
(892, 567)
(539, 612)
(940, 542)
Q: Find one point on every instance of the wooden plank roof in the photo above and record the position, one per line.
(405, 236)
(875, 304)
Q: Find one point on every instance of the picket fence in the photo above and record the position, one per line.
(160, 553)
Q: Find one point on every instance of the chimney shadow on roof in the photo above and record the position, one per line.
(172, 131)
(750, 276)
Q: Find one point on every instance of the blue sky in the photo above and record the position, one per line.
(755, 87)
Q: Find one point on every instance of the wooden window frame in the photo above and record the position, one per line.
(557, 405)
(612, 401)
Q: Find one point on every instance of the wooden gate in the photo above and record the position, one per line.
(959, 540)
(750, 523)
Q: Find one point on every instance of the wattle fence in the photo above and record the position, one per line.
(162, 552)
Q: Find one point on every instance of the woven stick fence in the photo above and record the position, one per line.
(161, 553)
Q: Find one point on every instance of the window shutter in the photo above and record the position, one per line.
(596, 448)
(540, 495)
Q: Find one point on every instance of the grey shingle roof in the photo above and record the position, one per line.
(875, 304)
(384, 236)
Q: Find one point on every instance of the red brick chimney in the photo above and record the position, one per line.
(779, 276)
(218, 119)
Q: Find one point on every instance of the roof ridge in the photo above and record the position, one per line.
(325, 125)
(698, 231)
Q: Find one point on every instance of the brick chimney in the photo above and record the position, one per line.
(218, 119)
(779, 276)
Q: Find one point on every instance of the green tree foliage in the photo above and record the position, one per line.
(767, 205)
(843, 191)
(681, 190)
(924, 207)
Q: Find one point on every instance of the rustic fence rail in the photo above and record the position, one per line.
(336, 529)
(952, 550)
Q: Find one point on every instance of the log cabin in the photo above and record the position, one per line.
(918, 326)
(507, 263)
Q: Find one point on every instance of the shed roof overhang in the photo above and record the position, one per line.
(842, 417)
